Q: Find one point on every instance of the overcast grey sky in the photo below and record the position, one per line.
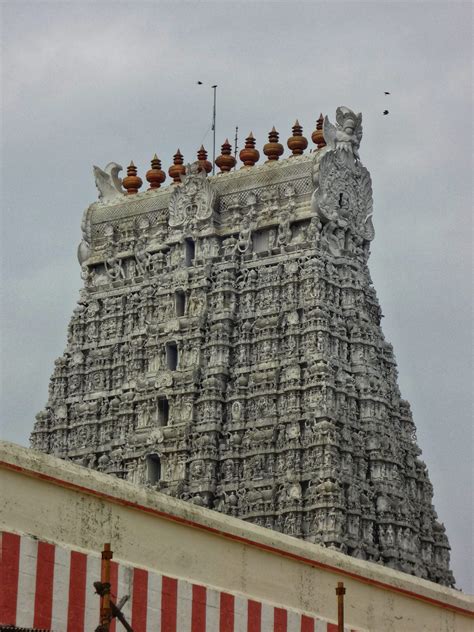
(87, 83)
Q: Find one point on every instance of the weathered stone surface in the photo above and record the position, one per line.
(227, 349)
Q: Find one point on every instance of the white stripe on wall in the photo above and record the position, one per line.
(26, 582)
(320, 626)
(92, 612)
(62, 558)
(294, 621)
(240, 614)
(124, 587)
(185, 604)
(267, 618)
(212, 610)
(153, 621)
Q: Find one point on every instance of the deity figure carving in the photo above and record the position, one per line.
(143, 258)
(113, 265)
(284, 230)
(244, 241)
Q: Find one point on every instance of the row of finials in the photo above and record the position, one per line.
(249, 155)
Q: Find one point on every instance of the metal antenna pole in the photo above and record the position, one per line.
(235, 144)
(214, 132)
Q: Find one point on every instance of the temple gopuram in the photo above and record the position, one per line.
(226, 349)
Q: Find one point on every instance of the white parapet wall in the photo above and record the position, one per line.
(185, 568)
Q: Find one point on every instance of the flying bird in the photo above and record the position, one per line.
(385, 112)
(386, 92)
(199, 83)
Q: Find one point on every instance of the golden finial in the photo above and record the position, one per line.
(155, 175)
(273, 149)
(177, 168)
(132, 182)
(297, 143)
(226, 161)
(204, 164)
(317, 136)
(249, 155)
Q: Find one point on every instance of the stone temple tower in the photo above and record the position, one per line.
(226, 349)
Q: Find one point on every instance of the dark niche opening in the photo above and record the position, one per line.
(153, 468)
(189, 251)
(171, 356)
(180, 302)
(163, 411)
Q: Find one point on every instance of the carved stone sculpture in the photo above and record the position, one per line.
(227, 349)
(193, 201)
(108, 182)
(346, 135)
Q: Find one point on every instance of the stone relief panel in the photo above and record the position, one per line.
(226, 349)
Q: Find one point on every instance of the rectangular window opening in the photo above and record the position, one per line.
(171, 356)
(153, 468)
(189, 251)
(180, 302)
(163, 411)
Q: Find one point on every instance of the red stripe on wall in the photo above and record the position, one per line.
(254, 616)
(307, 624)
(280, 620)
(198, 616)
(226, 615)
(139, 599)
(113, 591)
(44, 585)
(332, 627)
(169, 597)
(77, 592)
(9, 570)
(237, 538)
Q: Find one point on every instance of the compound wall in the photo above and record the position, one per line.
(185, 568)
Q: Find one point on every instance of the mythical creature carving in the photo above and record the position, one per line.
(343, 197)
(193, 201)
(346, 135)
(108, 182)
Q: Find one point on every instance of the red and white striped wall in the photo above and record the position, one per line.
(47, 586)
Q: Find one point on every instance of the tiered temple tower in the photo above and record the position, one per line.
(226, 349)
